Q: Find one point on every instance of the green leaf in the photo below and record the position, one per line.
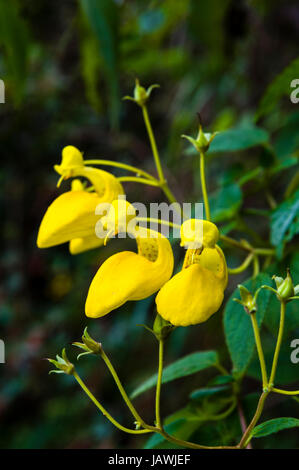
(237, 323)
(281, 222)
(278, 88)
(287, 139)
(103, 17)
(226, 202)
(15, 40)
(274, 425)
(237, 139)
(187, 365)
(201, 393)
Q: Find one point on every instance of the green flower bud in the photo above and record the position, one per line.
(285, 287)
(247, 299)
(141, 95)
(89, 345)
(62, 364)
(203, 140)
(162, 328)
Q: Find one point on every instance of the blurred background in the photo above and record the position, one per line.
(66, 65)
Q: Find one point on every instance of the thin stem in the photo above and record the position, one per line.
(225, 413)
(259, 348)
(121, 389)
(285, 392)
(264, 251)
(256, 266)
(203, 186)
(158, 221)
(153, 143)
(159, 383)
(246, 436)
(191, 445)
(278, 344)
(124, 166)
(242, 266)
(136, 179)
(235, 243)
(105, 412)
(242, 420)
(162, 182)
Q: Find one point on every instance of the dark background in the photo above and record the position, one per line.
(65, 74)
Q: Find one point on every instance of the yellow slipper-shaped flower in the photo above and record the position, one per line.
(72, 215)
(128, 275)
(196, 292)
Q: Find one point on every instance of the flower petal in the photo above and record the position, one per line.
(190, 297)
(71, 215)
(79, 245)
(130, 276)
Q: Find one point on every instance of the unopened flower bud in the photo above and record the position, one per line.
(285, 287)
(162, 328)
(202, 141)
(247, 299)
(141, 95)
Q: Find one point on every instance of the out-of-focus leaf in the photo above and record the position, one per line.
(287, 139)
(226, 202)
(207, 392)
(274, 425)
(91, 63)
(284, 222)
(240, 138)
(14, 38)
(151, 20)
(185, 366)
(103, 16)
(279, 87)
(237, 324)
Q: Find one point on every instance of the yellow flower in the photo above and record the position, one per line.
(128, 275)
(71, 217)
(196, 292)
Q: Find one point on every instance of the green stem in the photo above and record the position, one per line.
(259, 348)
(105, 412)
(256, 266)
(203, 186)
(191, 445)
(136, 179)
(124, 166)
(122, 390)
(285, 392)
(278, 344)
(158, 221)
(159, 383)
(246, 436)
(153, 143)
(243, 266)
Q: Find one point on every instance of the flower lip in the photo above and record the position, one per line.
(198, 233)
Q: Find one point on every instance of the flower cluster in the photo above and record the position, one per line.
(189, 297)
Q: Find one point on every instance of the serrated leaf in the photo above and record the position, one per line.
(279, 87)
(237, 139)
(226, 202)
(187, 365)
(274, 425)
(237, 323)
